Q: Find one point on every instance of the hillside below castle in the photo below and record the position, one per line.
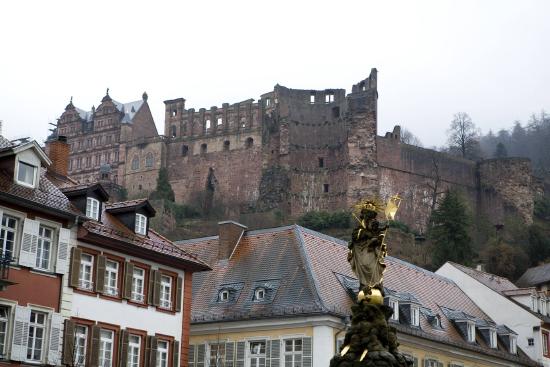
(290, 152)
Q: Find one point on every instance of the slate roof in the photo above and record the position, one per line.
(494, 282)
(5, 143)
(129, 109)
(535, 276)
(315, 278)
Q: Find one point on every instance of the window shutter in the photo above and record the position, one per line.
(175, 353)
(201, 353)
(100, 274)
(76, 253)
(240, 354)
(275, 354)
(94, 350)
(124, 339)
(29, 243)
(54, 347)
(68, 343)
(147, 351)
(267, 353)
(62, 263)
(151, 290)
(128, 275)
(425, 362)
(229, 354)
(152, 351)
(156, 289)
(415, 363)
(179, 291)
(191, 356)
(306, 352)
(20, 333)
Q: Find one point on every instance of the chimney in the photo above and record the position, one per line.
(230, 234)
(59, 154)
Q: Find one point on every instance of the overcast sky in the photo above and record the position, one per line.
(488, 58)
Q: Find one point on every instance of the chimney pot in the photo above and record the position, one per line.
(58, 151)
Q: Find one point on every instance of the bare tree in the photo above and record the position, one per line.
(463, 135)
(408, 137)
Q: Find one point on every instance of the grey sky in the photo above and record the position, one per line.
(435, 58)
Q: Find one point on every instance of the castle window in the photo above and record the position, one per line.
(329, 97)
(249, 143)
(325, 187)
(135, 162)
(267, 102)
(174, 112)
(321, 162)
(220, 121)
(207, 124)
(312, 98)
(149, 160)
(204, 148)
(243, 122)
(184, 150)
(226, 145)
(173, 131)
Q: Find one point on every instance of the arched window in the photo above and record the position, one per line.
(184, 150)
(226, 145)
(149, 160)
(135, 162)
(173, 131)
(249, 142)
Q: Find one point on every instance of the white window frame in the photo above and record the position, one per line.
(6, 229)
(166, 291)
(162, 353)
(293, 353)
(259, 294)
(42, 240)
(137, 295)
(492, 338)
(24, 183)
(141, 224)
(513, 344)
(103, 342)
(471, 331)
(134, 350)
(34, 327)
(415, 316)
(253, 359)
(223, 296)
(86, 282)
(92, 208)
(394, 304)
(4, 329)
(218, 357)
(534, 303)
(111, 277)
(80, 350)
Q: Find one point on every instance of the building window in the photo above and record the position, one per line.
(312, 98)
(135, 163)
(395, 307)
(166, 291)
(226, 145)
(8, 229)
(259, 294)
(174, 112)
(217, 353)
(335, 112)
(471, 327)
(184, 150)
(257, 353)
(530, 342)
(138, 280)
(493, 338)
(534, 303)
(134, 346)
(431, 362)
(325, 187)
(35, 341)
(293, 352)
(415, 316)
(513, 344)
(321, 162)
(106, 348)
(92, 208)
(543, 306)
(111, 278)
(267, 102)
(329, 97)
(204, 148)
(149, 160)
(85, 275)
(80, 344)
(243, 122)
(207, 124)
(223, 296)
(249, 142)
(220, 121)
(4, 321)
(173, 131)
(141, 224)
(545, 343)
(43, 248)
(26, 174)
(162, 353)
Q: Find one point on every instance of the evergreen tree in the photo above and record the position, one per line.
(164, 189)
(448, 231)
(500, 151)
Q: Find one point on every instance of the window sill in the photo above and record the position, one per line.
(138, 304)
(166, 310)
(109, 297)
(88, 292)
(43, 272)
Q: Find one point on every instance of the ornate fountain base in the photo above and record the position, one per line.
(370, 341)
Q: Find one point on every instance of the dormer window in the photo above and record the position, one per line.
(415, 316)
(26, 174)
(394, 304)
(259, 294)
(223, 296)
(513, 344)
(493, 338)
(92, 208)
(437, 321)
(141, 224)
(471, 328)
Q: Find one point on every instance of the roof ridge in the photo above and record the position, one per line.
(480, 271)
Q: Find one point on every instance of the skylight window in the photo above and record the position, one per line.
(26, 174)
(259, 294)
